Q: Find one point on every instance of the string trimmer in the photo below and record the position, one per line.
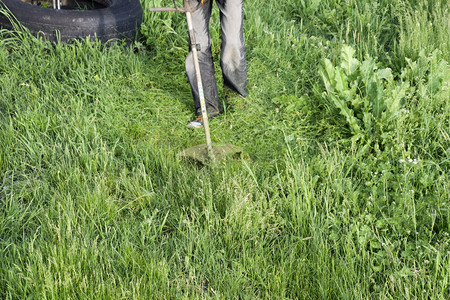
(206, 152)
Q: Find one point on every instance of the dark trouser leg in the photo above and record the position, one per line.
(233, 56)
(200, 20)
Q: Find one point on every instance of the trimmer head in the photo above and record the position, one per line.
(222, 152)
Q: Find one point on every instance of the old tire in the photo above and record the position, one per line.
(120, 20)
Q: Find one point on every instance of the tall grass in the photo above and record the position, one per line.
(95, 203)
(424, 26)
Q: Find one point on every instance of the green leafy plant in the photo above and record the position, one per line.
(368, 97)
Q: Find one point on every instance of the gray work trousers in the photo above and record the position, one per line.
(232, 58)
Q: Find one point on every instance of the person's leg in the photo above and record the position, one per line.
(200, 23)
(233, 56)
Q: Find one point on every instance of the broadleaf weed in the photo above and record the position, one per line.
(370, 98)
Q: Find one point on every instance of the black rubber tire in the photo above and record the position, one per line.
(120, 20)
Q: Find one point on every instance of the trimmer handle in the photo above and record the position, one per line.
(176, 8)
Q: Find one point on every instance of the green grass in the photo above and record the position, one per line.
(96, 204)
